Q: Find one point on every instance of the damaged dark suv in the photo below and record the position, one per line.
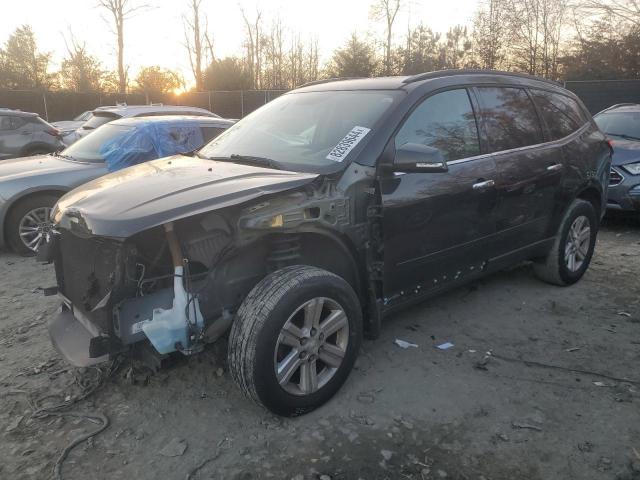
(307, 222)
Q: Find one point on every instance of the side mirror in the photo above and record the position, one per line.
(415, 157)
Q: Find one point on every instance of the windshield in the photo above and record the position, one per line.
(87, 149)
(620, 124)
(308, 132)
(99, 119)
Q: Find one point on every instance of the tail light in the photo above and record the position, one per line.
(54, 132)
(610, 143)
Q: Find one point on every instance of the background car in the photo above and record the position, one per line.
(29, 187)
(67, 127)
(622, 123)
(23, 134)
(103, 115)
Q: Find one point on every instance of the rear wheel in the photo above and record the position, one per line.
(28, 223)
(295, 339)
(573, 247)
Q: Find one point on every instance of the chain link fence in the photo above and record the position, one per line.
(55, 106)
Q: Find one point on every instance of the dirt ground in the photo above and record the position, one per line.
(416, 413)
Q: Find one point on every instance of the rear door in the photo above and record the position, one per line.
(436, 224)
(530, 171)
(15, 134)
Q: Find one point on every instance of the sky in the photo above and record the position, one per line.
(156, 36)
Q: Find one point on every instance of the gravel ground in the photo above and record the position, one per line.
(417, 413)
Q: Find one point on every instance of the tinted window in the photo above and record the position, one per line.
(562, 114)
(620, 124)
(209, 133)
(11, 123)
(510, 119)
(444, 121)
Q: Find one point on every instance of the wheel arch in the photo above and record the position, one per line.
(18, 199)
(594, 196)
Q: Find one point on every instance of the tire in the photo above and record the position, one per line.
(255, 350)
(18, 212)
(555, 268)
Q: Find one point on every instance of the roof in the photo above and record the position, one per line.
(133, 110)
(406, 82)
(173, 119)
(623, 107)
(17, 113)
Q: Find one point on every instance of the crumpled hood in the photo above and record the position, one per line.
(39, 165)
(134, 199)
(625, 151)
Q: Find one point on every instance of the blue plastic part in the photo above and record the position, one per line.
(149, 142)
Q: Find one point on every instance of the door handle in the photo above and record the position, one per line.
(484, 185)
(555, 167)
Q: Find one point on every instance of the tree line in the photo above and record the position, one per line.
(555, 39)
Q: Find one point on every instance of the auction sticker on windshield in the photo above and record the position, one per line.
(348, 143)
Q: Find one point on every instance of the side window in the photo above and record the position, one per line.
(509, 117)
(10, 123)
(209, 133)
(562, 114)
(444, 121)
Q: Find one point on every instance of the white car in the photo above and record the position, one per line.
(102, 115)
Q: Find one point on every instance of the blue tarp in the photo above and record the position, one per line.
(151, 141)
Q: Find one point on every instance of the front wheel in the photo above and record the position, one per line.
(295, 339)
(573, 247)
(29, 223)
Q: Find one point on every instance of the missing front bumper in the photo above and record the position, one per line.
(73, 341)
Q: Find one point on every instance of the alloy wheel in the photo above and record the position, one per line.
(578, 241)
(34, 227)
(311, 346)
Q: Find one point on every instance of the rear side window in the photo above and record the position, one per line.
(11, 123)
(509, 117)
(444, 121)
(99, 119)
(562, 114)
(209, 133)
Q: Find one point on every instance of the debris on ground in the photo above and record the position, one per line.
(175, 448)
(444, 346)
(526, 426)
(404, 344)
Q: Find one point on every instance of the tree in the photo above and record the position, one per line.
(80, 71)
(626, 10)
(489, 34)
(253, 46)
(198, 42)
(421, 52)
(387, 10)
(355, 59)
(22, 64)
(155, 80)
(227, 74)
(457, 48)
(120, 10)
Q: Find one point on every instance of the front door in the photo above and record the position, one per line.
(435, 224)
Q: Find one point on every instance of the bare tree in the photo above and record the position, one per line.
(120, 11)
(197, 41)
(253, 45)
(489, 34)
(627, 10)
(387, 10)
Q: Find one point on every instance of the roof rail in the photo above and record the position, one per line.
(617, 105)
(328, 80)
(444, 73)
(156, 104)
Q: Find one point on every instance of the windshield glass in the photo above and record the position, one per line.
(99, 119)
(623, 124)
(87, 149)
(308, 132)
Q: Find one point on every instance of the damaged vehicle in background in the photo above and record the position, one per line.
(29, 187)
(307, 222)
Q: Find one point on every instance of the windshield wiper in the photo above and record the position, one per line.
(66, 157)
(622, 135)
(246, 159)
